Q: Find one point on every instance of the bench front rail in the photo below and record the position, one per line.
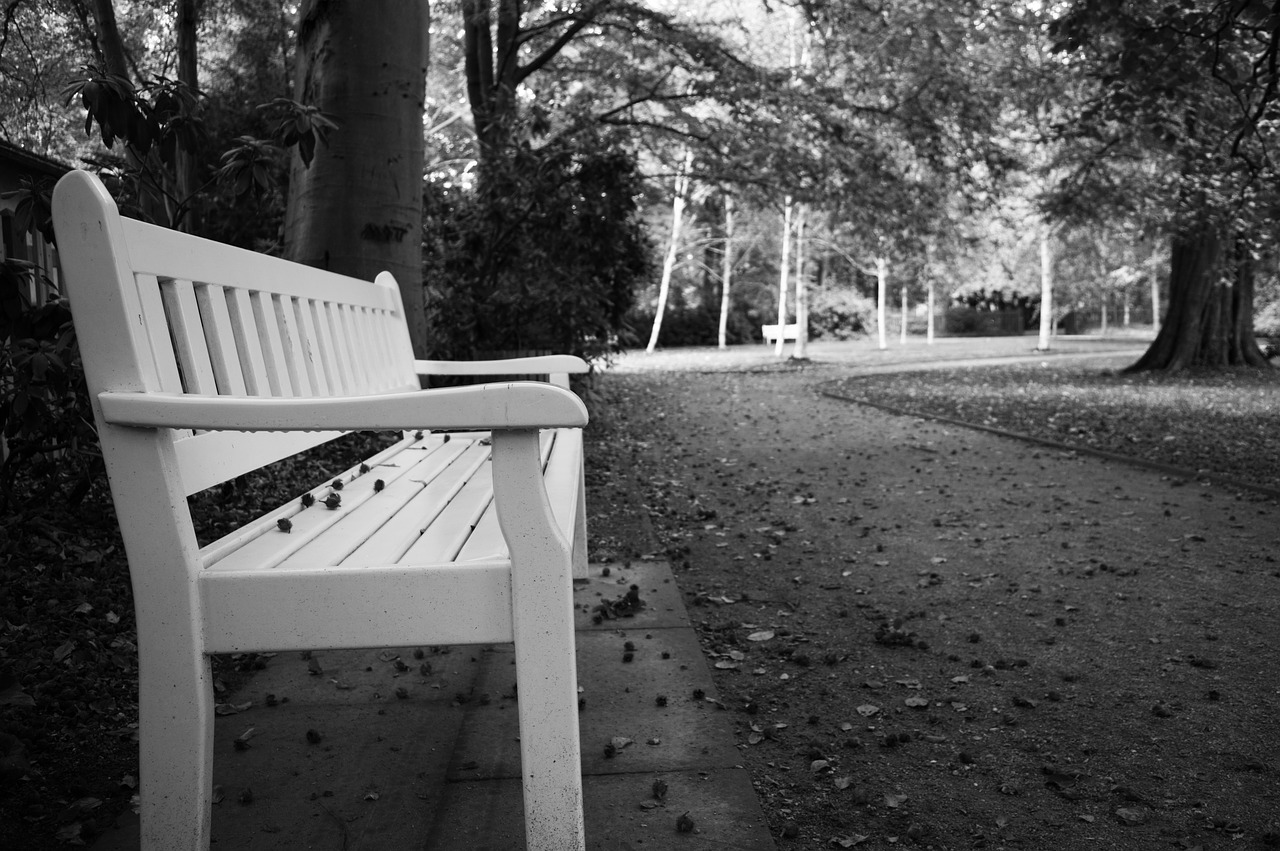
(205, 362)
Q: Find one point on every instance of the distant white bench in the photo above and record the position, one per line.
(205, 362)
(789, 332)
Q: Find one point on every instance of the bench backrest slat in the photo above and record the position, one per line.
(183, 314)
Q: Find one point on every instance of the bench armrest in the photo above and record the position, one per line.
(538, 365)
(518, 405)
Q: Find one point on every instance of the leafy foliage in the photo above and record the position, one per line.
(545, 260)
(44, 405)
(840, 314)
(1182, 108)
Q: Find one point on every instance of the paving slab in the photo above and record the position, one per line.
(620, 811)
(621, 709)
(419, 747)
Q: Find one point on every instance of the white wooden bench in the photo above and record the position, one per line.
(789, 332)
(205, 362)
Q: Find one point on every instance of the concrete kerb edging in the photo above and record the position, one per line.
(1155, 466)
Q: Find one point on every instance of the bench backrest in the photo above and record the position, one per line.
(162, 311)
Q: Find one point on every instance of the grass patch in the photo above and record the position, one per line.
(1223, 422)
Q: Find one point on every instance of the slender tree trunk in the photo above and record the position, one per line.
(929, 329)
(902, 336)
(1046, 290)
(882, 287)
(1155, 292)
(357, 209)
(1103, 301)
(928, 270)
(109, 40)
(802, 290)
(492, 73)
(673, 247)
(726, 271)
(186, 179)
(1126, 308)
(1210, 317)
(783, 269)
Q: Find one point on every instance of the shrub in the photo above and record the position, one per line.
(1266, 322)
(838, 314)
(969, 321)
(51, 444)
(544, 258)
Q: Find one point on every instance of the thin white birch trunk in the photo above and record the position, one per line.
(726, 271)
(1046, 290)
(669, 262)
(902, 338)
(882, 284)
(782, 278)
(929, 331)
(802, 290)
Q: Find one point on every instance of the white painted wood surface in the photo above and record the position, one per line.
(205, 362)
(789, 332)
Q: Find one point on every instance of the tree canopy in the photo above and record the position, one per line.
(910, 130)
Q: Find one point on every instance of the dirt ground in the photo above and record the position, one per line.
(939, 638)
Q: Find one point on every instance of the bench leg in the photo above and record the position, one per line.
(175, 732)
(546, 665)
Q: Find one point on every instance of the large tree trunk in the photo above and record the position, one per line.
(357, 209)
(1210, 317)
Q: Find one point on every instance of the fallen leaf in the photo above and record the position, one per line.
(894, 801)
(917, 702)
(866, 710)
(847, 841)
(1132, 815)
(620, 742)
(762, 635)
(843, 782)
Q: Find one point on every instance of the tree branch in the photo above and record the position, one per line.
(556, 46)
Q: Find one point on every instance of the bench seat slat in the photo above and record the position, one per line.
(269, 547)
(219, 549)
(448, 531)
(357, 525)
(486, 539)
(400, 532)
